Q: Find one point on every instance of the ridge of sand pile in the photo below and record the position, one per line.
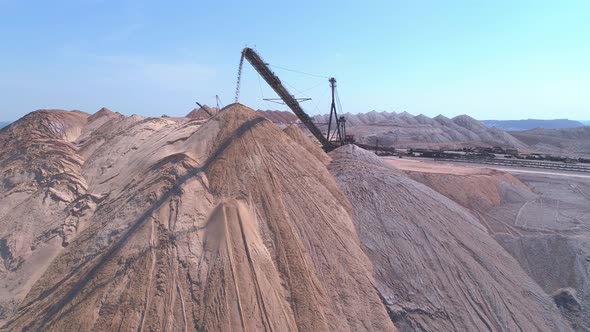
(545, 230)
(315, 149)
(40, 175)
(202, 114)
(477, 189)
(403, 130)
(471, 187)
(435, 266)
(226, 225)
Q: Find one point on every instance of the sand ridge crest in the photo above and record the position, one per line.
(211, 225)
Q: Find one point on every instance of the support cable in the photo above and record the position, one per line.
(294, 88)
(322, 82)
(275, 83)
(338, 102)
(317, 104)
(297, 71)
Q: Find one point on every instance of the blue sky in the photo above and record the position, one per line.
(488, 59)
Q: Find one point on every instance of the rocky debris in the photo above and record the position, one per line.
(566, 299)
(228, 224)
(435, 266)
(560, 264)
(570, 306)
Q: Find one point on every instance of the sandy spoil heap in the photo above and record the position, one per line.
(477, 189)
(228, 225)
(202, 113)
(546, 228)
(314, 148)
(434, 264)
(110, 222)
(408, 131)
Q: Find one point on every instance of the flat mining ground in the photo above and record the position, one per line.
(561, 202)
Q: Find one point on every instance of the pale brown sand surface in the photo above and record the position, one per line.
(134, 223)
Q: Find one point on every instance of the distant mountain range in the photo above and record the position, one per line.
(586, 122)
(517, 125)
(4, 124)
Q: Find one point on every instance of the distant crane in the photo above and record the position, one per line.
(203, 108)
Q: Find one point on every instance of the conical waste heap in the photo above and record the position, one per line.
(435, 266)
(172, 225)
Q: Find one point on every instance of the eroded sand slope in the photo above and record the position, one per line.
(110, 222)
(542, 219)
(167, 224)
(435, 265)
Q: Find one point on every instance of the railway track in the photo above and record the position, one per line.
(522, 163)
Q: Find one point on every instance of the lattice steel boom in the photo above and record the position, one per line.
(261, 67)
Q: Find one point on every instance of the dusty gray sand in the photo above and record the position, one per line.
(436, 267)
(555, 246)
(542, 219)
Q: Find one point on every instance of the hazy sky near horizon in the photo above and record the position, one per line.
(489, 59)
